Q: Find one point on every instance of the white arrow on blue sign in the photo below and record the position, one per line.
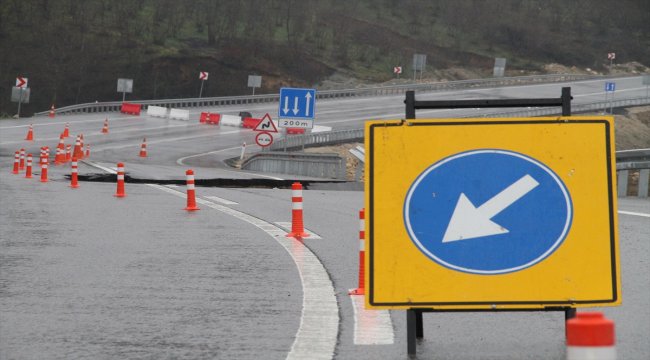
(488, 211)
(297, 103)
(610, 86)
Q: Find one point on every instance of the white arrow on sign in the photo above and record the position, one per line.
(21, 82)
(308, 99)
(295, 106)
(468, 221)
(286, 105)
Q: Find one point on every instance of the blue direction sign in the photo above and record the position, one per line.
(488, 211)
(610, 86)
(297, 103)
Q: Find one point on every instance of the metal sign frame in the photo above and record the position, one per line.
(414, 314)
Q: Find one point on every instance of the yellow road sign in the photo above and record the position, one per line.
(491, 213)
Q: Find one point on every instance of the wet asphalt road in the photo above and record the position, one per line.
(85, 275)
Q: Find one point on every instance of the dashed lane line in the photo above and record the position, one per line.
(221, 200)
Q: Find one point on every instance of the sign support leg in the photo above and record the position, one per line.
(123, 96)
(20, 100)
(410, 331)
(419, 325)
(201, 91)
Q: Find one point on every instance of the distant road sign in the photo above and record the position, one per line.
(397, 69)
(203, 75)
(125, 85)
(419, 62)
(264, 139)
(494, 219)
(266, 124)
(297, 103)
(21, 95)
(21, 82)
(611, 56)
(254, 81)
(610, 87)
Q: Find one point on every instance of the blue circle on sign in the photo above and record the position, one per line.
(488, 211)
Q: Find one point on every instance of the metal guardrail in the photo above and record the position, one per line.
(575, 108)
(321, 138)
(330, 166)
(327, 94)
(633, 171)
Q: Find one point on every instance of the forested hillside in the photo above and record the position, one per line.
(73, 51)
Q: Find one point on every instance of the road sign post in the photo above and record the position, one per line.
(203, 76)
(124, 86)
(20, 93)
(494, 220)
(610, 87)
(646, 82)
(419, 62)
(397, 70)
(297, 108)
(254, 81)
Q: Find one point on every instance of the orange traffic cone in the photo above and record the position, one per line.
(87, 150)
(68, 153)
(120, 181)
(66, 131)
(191, 195)
(44, 171)
(16, 163)
(143, 148)
(30, 133)
(21, 165)
(297, 225)
(28, 171)
(74, 175)
(590, 335)
(78, 150)
(361, 290)
(60, 152)
(105, 128)
(52, 112)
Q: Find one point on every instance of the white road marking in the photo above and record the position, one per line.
(221, 200)
(633, 213)
(319, 323)
(371, 327)
(287, 226)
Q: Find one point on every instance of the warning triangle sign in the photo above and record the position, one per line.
(266, 125)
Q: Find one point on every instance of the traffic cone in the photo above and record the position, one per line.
(30, 133)
(78, 150)
(66, 131)
(52, 113)
(68, 153)
(60, 152)
(28, 171)
(143, 148)
(47, 154)
(120, 180)
(74, 175)
(191, 195)
(590, 335)
(43, 156)
(44, 171)
(297, 226)
(87, 150)
(16, 163)
(105, 128)
(361, 290)
(21, 164)
(81, 138)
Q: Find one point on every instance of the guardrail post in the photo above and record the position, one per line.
(566, 101)
(644, 176)
(622, 182)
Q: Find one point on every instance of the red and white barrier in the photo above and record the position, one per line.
(590, 336)
(28, 171)
(297, 223)
(361, 290)
(191, 195)
(179, 114)
(74, 177)
(120, 181)
(209, 118)
(157, 111)
(231, 120)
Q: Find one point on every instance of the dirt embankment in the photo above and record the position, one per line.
(632, 132)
